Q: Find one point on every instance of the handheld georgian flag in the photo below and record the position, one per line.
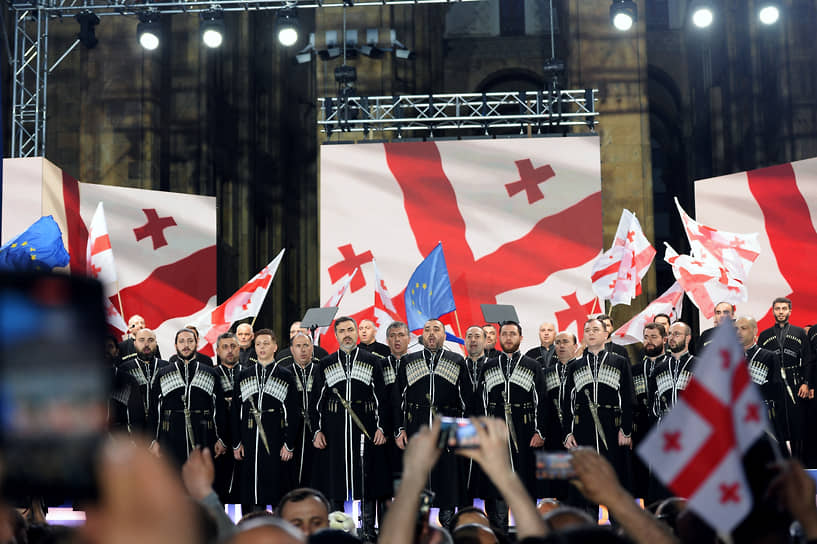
(617, 273)
(705, 280)
(670, 303)
(736, 252)
(428, 293)
(99, 262)
(246, 302)
(384, 309)
(334, 300)
(696, 450)
(39, 247)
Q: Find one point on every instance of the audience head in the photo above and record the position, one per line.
(305, 508)
(565, 517)
(474, 533)
(266, 529)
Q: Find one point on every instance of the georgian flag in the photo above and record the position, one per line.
(696, 450)
(385, 312)
(244, 303)
(330, 343)
(736, 252)
(100, 265)
(617, 273)
(705, 280)
(670, 303)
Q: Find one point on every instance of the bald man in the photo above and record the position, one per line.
(143, 368)
(765, 372)
(545, 352)
(127, 350)
(367, 331)
(285, 356)
(245, 336)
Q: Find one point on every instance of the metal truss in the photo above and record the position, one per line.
(30, 67)
(130, 7)
(452, 112)
(30, 63)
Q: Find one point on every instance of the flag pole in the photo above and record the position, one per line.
(595, 305)
(457, 321)
(119, 298)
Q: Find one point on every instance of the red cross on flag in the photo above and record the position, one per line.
(244, 303)
(617, 273)
(736, 252)
(705, 280)
(100, 264)
(670, 302)
(696, 450)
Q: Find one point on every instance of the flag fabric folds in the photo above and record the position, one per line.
(334, 300)
(384, 310)
(428, 293)
(99, 261)
(39, 247)
(617, 273)
(670, 302)
(696, 450)
(246, 302)
(736, 252)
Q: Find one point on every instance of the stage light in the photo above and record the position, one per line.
(623, 14)
(769, 13)
(702, 15)
(287, 27)
(212, 28)
(149, 29)
(400, 50)
(87, 21)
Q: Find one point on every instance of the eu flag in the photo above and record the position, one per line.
(38, 248)
(428, 293)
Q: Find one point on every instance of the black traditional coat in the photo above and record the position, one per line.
(270, 393)
(144, 374)
(357, 377)
(671, 377)
(603, 381)
(517, 382)
(428, 384)
(191, 387)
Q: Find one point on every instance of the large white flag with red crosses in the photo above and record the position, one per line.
(100, 264)
(334, 300)
(670, 303)
(617, 273)
(696, 450)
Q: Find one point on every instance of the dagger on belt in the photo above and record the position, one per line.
(594, 411)
(786, 381)
(509, 421)
(188, 424)
(351, 412)
(256, 415)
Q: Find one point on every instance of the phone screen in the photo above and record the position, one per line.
(54, 384)
(458, 432)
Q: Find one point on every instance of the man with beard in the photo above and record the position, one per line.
(245, 336)
(143, 369)
(546, 351)
(303, 366)
(794, 356)
(284, 356)
(555, 380)
(265, 415)
(672, 375)
(509, 390)
(226, 482)
(433, 382)
(127, 348)
(349, 403)
(368, 331)
(655, 337)
(723, 311)
(599, 401)
(187, 405)
(490, 340)
(764, 370)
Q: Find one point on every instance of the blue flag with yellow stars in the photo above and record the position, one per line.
(38, 248)
(428, 293)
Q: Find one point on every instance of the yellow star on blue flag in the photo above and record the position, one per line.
(40, 247)
(431, 295)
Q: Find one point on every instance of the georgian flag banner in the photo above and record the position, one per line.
(696, 450)
(670, 302)
(618, 272)
(100, 264)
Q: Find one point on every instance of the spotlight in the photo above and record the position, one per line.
(212, 28)
(149, 29)
(769, 13)
(287, 27)
(371, 50)
(623, 14)
(702, 15)
(400, 50)
(87, 21)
